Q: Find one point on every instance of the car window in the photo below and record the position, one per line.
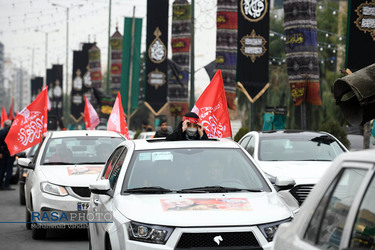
(243, 142)
(326, 225)
(363, 232)
(113, 176)
(110, 163)
(250, 146)
(79, 150)
(178, 169)
(321, 148)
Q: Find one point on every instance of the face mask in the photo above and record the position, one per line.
(191, 131)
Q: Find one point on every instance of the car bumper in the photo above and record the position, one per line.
(195, 236)
(51, 209)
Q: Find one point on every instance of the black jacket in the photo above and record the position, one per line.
(3, 146)
(178, 135)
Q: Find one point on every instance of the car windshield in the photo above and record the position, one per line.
(79, 150)
(193, 170)
(321, 148)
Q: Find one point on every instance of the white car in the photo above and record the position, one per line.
(62, 168)
(157, 194)
(340, 211)
(302, 156)
(146, 135)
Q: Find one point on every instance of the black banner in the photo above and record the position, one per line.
(55, 90)
(157, 48)
(36, 87)
(252, 48)
(81, 84)
(360, 43)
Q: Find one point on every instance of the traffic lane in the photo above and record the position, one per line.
(16, 236)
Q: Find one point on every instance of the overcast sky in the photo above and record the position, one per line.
(88, 22)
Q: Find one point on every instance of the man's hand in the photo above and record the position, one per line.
(200, 129)
(184, 125)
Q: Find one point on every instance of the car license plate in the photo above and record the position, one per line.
(82, 206)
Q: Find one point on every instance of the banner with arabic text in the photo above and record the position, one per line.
(156, 59)
(252, 47)
(301, 48)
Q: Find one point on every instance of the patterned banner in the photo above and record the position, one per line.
(361, 35)
(178, 93)
(116, 57)
(131, 69)
(95, 67)
(55, 90)
(81, 84)
(226, 47)
(156, 61)
(36, 87)
(252, 47)
(302, 51)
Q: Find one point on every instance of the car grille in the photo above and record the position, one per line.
(300, 192)
(232, 240)
(81, 191)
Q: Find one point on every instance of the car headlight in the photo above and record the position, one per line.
(270, 229)
(149, 233)
(50, 188)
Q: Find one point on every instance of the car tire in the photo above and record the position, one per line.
(38, 233)
(22, 194)
(108, 245)
(28, 220)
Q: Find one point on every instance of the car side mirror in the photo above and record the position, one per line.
(282, 182)
(355, 95)
(25, 163)
(101, 187)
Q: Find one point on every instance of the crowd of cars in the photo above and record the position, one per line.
(271, 190)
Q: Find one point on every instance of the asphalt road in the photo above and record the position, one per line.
(16, 236)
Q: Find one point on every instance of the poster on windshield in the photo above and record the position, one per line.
(240, 204)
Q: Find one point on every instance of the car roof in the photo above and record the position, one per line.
(74, 133)
(367, 155)
(158, 143)
(283, 133)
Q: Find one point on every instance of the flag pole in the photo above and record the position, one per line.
(131, 66)
(192, 62)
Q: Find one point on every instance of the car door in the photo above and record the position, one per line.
(327, 224)
(103, 203)
(98, 228)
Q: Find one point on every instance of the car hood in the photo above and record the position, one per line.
(303, 172)
(210, 209)
(80, 175)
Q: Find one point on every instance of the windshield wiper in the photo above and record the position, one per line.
(216, 189)
(90, 162)
(149, 190)
(58, 163)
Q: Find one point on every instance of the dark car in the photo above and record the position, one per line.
(22, 172)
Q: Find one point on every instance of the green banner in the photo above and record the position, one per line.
(131, 64)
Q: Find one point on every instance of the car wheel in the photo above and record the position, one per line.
(22, 194)
(38, 233)
(28, 220)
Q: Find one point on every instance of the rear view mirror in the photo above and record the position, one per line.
(25, 163)
(101, 187)
(355, 95)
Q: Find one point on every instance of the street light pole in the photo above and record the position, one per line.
(46, 53)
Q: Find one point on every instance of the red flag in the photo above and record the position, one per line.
(212, 109)
(116, 121)
(10, 116)
(90, 116)
(29, 125)
(4, 116)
